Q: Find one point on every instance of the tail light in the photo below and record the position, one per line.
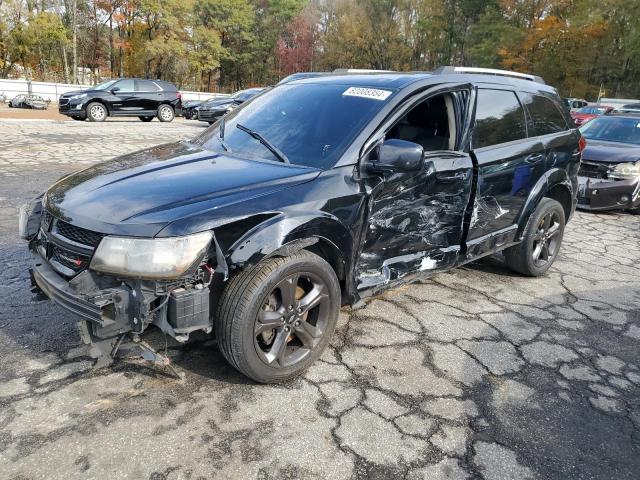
(582, 144)
(179, 96)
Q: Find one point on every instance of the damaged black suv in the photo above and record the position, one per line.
(315, 194)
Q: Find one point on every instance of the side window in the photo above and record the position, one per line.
(146, 86)
(499, 118)
(545, 115)
(431, 124)
(125, 85)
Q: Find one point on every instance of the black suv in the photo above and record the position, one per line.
(125, 97)
(317, 193)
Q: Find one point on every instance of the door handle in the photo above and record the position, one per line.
(534, 158)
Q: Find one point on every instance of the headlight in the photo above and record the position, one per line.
(625, 171)
(79, 96)
(154, 258)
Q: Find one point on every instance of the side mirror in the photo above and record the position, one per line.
(115, 89)
(397, 156)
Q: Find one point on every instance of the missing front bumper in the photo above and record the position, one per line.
(600, 194)
(99, 309)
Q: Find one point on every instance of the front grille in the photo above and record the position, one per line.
(66, 258)
(63, 101)
(73, 256)
(593, 170)
(78, 234)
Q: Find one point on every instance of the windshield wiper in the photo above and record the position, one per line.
(273, 149)
(221, 135)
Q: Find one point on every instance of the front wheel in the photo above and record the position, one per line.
(96, 112)
(275, 319)
(541, 241)
(165, 113)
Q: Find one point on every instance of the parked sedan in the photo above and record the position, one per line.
(609, 176)
(35, 102)
(189, 109)
(584, 114)
(212, 110)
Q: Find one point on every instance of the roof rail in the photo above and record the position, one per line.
(489, 71)
(361, 70)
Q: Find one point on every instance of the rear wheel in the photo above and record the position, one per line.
(165, 113)
(541, 242)
(274, 320)
(96, 112)
(146, 119)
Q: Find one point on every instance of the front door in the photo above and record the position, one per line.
(123, 97)
(415, 222)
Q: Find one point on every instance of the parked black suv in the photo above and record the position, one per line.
(315, 194)
(125, 97)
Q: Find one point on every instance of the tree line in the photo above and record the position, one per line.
(584, 47)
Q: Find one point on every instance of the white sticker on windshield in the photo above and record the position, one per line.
(373, 93)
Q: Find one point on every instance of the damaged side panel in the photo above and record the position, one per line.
(416, 222)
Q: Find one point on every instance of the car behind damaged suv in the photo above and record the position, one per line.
(314, 194)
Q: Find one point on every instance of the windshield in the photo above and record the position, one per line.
(311, 124)
(613, 129)
(104, 85)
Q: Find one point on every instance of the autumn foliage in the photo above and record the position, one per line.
(580, 46)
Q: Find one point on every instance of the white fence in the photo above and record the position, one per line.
(52, 91)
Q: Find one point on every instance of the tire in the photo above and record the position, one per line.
(166, 113)
(247, 342)
(97, 112)
(146, 119)
(541, 241)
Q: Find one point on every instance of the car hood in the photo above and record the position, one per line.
(214, 105)
(610, 152)
(141, 193)
(75, 92)
(191, 103)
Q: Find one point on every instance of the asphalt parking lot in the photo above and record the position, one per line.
(476, 373)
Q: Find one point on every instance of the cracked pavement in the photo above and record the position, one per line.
(475, 373)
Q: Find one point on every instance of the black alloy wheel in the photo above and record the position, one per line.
(292, 319)
(276, 318)
(546, 239)
(541, 240)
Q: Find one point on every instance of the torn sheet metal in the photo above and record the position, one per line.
(486, 209)
(415, 225)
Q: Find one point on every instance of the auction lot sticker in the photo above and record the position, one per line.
(373, 93)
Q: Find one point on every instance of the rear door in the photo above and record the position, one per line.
(149, 95)
(509, 165)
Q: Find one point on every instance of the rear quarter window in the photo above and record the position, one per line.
(499, 118)
(546, 117)
(146, 86)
